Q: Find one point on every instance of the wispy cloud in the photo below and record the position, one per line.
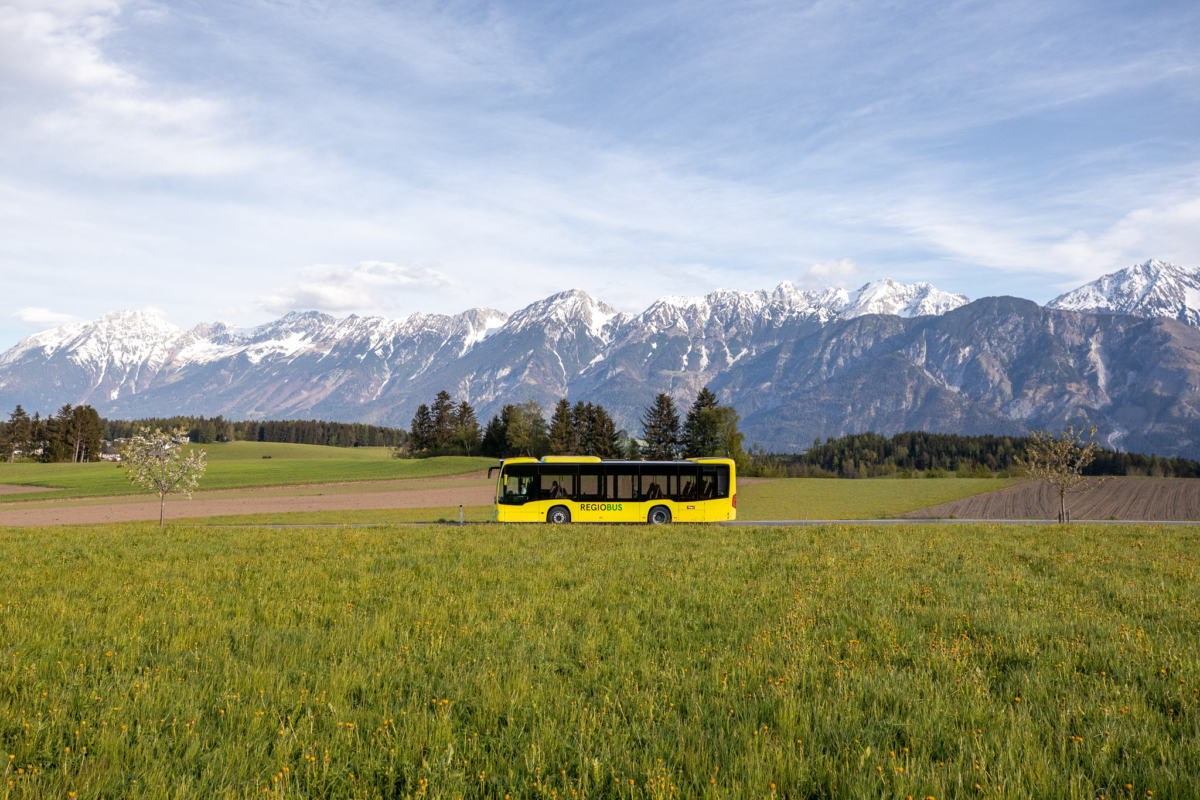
(630, 149)
(42, 318)
(830, 273)
(370, 285)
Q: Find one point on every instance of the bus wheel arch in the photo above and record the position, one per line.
(659, 515)
(558, 515)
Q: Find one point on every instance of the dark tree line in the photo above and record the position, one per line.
(206, 430)
(581, 429)
(867, 455)
(73, 434)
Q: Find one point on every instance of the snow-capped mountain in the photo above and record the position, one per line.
(1150, 289)
(796, 364)
(132, 363)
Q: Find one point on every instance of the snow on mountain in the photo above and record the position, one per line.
(901, 300)
(1151, 289)
(560, 314)
(133, 363)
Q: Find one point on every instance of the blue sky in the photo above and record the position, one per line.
(236, 160)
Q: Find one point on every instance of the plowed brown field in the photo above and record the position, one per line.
(1119, 498)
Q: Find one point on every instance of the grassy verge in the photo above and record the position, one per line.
(240, 468)
(522, 661)
(874, 498)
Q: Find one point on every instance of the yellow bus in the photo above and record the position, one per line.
(562, 489)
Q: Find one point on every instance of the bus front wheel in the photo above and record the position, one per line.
(558, 515)
(659, 515)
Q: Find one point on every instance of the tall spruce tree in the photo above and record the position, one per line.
(19, 435)
(701, 431)
(421, 436)
(564, 436)
(495, 438)
(445, 420)
(660, 429)
(466, 431)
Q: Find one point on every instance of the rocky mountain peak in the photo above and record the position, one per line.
(886, 296)
(1151, 289)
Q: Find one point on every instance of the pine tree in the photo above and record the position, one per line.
(701, 430)
(444, 421)
(564, 437)
(660, 429)
(58, 446)
(495, 438)
(20, 435)
(603, 433)
(421, 435)
(466, 431)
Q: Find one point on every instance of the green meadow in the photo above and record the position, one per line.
(605, 662)
(241, 465)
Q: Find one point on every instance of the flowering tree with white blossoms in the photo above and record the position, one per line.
(156, 461)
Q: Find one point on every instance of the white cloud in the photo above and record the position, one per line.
(42, 318)
(1170, 232)
(337, 288)
(829, 273)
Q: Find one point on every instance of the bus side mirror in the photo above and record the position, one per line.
(490, 470)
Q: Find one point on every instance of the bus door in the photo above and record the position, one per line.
(689, 508)
(518, 493)
(589, 494)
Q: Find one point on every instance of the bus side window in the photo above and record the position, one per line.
(687, 483)
(557, 483)
(656, 483)
(622, 482)
(722, 481)
(590, 482)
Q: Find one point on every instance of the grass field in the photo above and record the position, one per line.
(240, 465)
(521, 661)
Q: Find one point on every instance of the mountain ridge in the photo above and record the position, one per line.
(849, 350)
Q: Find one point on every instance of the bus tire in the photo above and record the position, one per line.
(659, 515)
(558, 515)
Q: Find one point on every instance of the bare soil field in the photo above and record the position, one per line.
(467, 490)
(6, 488)
(1119, 498)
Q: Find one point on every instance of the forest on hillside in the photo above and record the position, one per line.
(870, 455)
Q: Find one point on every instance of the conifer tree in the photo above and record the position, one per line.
(444, 421)
(19, 439)
(701, 430)
(495, 438)
(421, 435)
(660, 429)
(466, 431)
(564, 437)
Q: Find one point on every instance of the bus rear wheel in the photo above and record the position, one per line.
(659, 515)
(558, 515)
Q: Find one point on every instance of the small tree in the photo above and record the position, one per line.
(1060, 462)
(155, 461)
